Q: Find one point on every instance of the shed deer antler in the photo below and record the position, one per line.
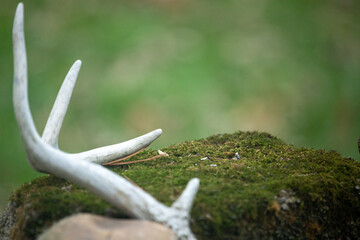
(81, 168)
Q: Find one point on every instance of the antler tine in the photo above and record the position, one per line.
(20, 95)
(183, 206)
(54, 123)
(120, 150)
(186, 199)
(97, 179)
(98, 155)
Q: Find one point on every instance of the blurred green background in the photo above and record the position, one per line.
(192, 68)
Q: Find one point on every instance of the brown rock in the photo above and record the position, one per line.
(91, 227)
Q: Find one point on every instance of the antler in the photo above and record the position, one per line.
(44, 155)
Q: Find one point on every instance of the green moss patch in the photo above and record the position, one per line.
(252, 186)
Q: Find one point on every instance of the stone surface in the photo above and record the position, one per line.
(7, 221)
(93, 227)
(273, 190)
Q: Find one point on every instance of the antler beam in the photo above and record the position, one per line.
(80, 168)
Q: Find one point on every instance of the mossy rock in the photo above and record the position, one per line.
(273, 191)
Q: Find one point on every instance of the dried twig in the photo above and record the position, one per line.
(124, 158)
(136, 161)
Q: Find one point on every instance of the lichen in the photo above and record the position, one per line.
(273, 191)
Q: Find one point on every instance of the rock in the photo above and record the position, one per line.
(7, 221)
(274, 191)
(93, 227)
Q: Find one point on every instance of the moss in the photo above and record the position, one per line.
(273, 191)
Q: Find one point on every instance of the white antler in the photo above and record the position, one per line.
(80, 168)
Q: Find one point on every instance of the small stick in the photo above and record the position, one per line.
(124, 158)
(136, 161)
(127, 178)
